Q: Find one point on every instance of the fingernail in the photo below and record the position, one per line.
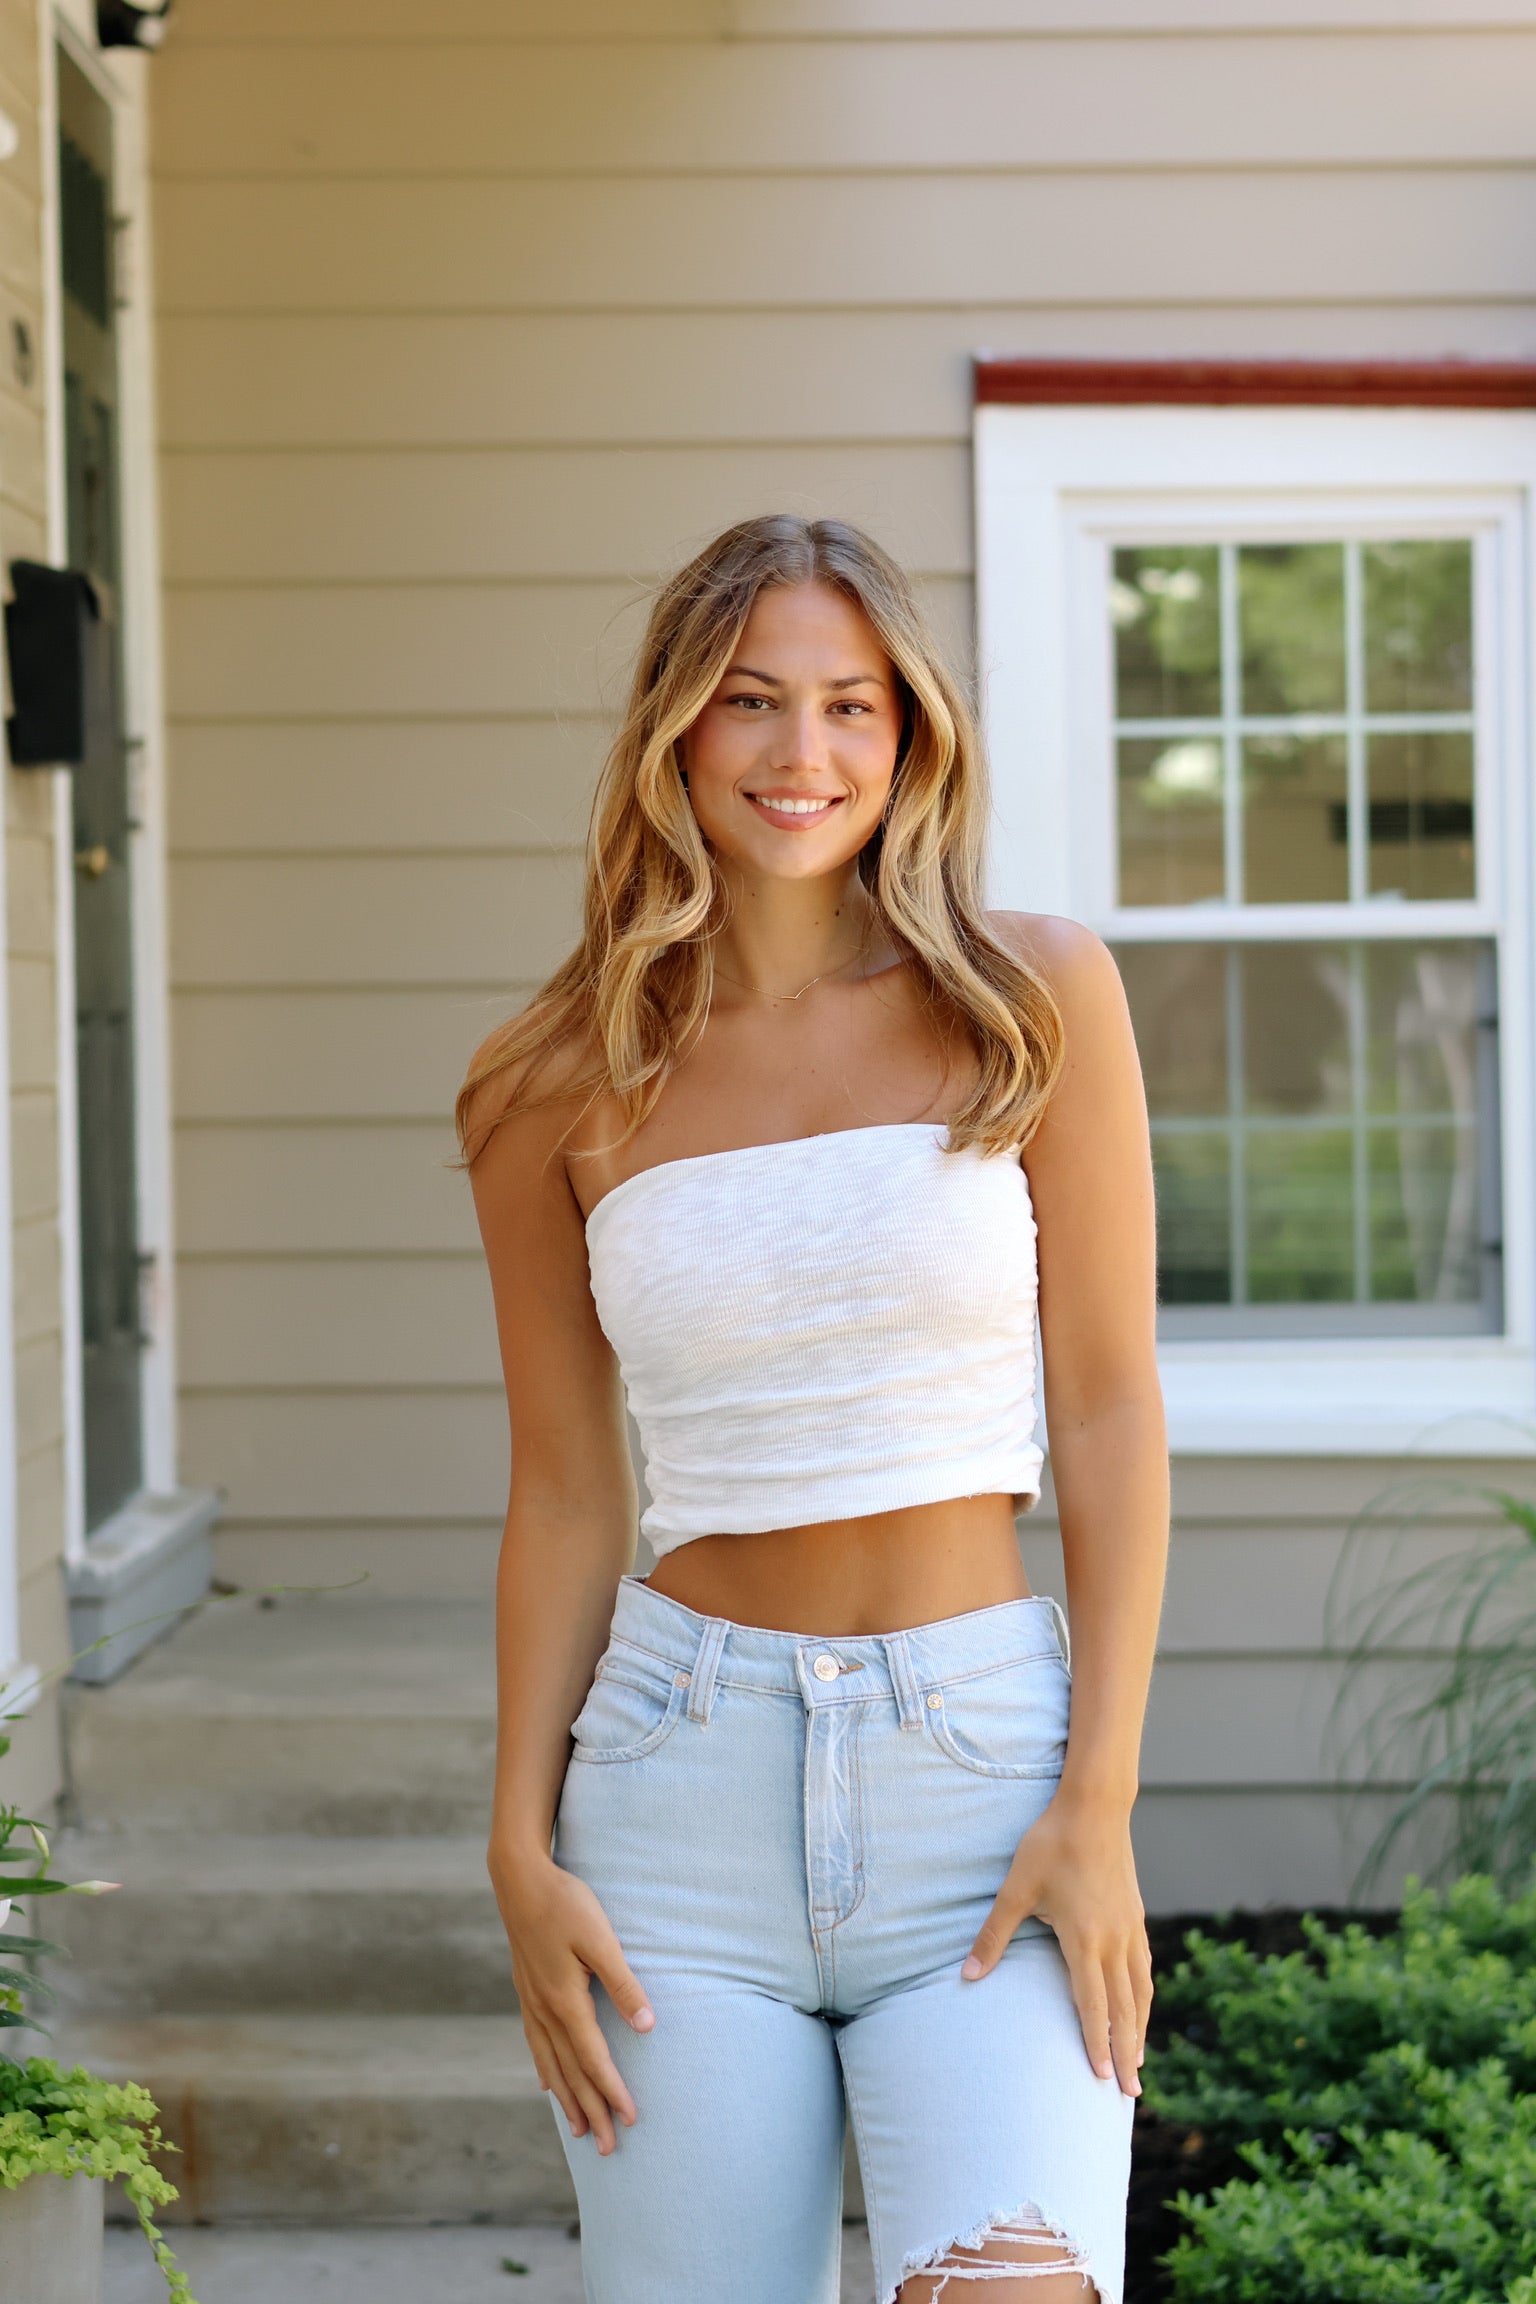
(970, 1968)
(1105, 2069)
(642, 2020)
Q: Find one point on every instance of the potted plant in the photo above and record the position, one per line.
(64, 2134)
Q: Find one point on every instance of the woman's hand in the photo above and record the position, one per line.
(561, 1939)
(1075, 1870)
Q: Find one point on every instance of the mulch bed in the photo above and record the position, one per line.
(1165, 2159)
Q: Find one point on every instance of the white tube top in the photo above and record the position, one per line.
(818, 1329)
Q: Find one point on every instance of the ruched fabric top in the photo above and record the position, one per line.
(818, 1329)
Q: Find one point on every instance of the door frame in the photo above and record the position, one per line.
(120, 83)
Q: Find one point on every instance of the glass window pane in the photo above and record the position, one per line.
(1296, 1011)
(1423, 1004)
(1320, 1115)
(1291, 614)
(1171, 821)
(1194, 1227)
(1421, 814)
(1178, 1002)
(1300, 1216)
(1165, 605)
(1418, 626)
(1424, 1205)
(1295, 820)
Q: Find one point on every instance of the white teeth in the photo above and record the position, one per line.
(792, 807)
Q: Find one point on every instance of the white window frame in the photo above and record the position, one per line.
(1055, 485)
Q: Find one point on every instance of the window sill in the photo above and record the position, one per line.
(1429, 1396)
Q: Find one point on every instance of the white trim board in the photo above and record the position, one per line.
(119, 79)
(1053, 484)
(66, 1083)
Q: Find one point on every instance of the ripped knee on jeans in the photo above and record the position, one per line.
(1024, 2246)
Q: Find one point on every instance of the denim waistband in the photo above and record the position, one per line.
(703, 1651)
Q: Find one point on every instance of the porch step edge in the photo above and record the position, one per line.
(300, 2119)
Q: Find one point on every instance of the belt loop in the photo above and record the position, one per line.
(903, 1685)
(706, 1665)
(1063, 1633)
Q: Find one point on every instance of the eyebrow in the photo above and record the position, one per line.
(770, 680)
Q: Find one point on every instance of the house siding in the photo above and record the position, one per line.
(467, 332)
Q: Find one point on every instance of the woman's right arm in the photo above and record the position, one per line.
(569, 1537)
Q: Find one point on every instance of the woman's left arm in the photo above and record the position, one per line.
(1090, 1177)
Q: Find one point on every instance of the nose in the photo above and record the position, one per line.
(804, 738)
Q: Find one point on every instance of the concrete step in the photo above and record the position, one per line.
(353, 2265)
(216, 1924)
(340, 2119)
(345, 1716)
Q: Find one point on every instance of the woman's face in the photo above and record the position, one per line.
(790, 762)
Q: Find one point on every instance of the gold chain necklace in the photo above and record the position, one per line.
(758, 993)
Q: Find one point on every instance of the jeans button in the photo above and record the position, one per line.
(825, 1667)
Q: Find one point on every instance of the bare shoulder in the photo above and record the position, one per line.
(522, 1108)
(1078, 965)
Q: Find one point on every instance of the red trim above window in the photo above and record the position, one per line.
(1263, 383)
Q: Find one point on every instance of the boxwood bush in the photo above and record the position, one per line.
(1377, 2091)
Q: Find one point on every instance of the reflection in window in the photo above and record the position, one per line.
(1294, 722)
(1290, 606)
(1324, 1121)
(1418, 626)
(1172, 819)
(1420, 784)
(1165, 605)
(1295, 803)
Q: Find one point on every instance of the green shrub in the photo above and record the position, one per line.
(1382, 2092)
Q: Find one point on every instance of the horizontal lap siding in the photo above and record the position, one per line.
(351, 382)
(287, 23)
(902, 108)
(442, 245)
(541, 513)
(468, 331)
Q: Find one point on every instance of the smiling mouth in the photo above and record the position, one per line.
(799, 810)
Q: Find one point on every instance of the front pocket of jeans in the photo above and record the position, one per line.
(1011, 1722)
(626, 1715)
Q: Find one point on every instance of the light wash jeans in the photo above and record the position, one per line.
(796, 1841)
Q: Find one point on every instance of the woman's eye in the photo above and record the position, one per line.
(752, 700)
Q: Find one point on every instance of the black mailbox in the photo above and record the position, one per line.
(52, 638)
(131, 23)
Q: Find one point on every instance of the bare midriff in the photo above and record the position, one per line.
(838, 1579)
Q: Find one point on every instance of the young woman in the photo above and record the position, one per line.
(789, 1150)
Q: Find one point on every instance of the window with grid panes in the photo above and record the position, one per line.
(1294, 737)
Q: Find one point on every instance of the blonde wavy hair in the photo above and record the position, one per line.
(617, 1014)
